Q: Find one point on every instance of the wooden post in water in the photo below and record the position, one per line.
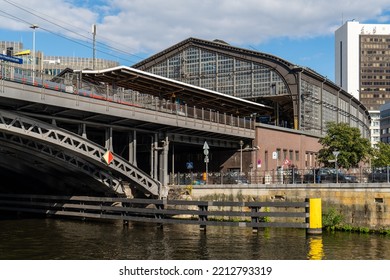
(255, 219)
(315, 216)
(203, 218)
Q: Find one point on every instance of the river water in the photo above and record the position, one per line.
(58, 239)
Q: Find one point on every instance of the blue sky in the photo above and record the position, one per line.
(300, 31)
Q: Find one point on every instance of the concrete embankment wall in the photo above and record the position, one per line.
(361, 205)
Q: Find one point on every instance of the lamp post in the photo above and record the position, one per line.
(336, 154)
(34, 26)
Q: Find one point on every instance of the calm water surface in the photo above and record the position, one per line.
(51, 239)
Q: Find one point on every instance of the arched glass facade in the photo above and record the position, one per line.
(222, 73)
(301, 98)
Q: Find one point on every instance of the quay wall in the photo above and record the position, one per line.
(361, 205)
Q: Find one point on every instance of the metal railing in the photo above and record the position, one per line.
(285, 176)
(73, 85)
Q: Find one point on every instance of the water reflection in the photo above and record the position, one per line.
(316, 248)
(70, 239)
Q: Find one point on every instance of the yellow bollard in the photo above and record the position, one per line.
(315, 216)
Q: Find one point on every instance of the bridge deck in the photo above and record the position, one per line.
(107, 107)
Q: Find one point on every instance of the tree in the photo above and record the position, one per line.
(381, 155)
(348, 141)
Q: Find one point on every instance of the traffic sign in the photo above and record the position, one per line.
(206, 148)
(11, 59)
(190, 165)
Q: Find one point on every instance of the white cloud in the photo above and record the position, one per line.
(152, 25)
(48, 15)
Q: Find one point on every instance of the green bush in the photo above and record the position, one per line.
(332, 219)
(265, 219)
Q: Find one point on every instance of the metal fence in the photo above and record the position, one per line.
(285, 176)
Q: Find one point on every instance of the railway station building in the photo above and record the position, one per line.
(302, 100)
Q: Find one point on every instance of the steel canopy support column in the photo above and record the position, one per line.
(133, 148)
(83, 130)
(164, 162)
(108, 137)
(152, 159)
(155, 161)
(173, 164)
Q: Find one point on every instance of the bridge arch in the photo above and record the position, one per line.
(52, 143)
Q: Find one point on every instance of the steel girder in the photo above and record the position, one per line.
(75, 150)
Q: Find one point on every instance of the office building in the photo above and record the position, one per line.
(362, 66)
(50, 66)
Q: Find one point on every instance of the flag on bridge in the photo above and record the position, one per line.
(108, 157)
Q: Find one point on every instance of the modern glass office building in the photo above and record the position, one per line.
(301, 98)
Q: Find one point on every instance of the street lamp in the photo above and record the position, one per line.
(33, 26)
(336, 154)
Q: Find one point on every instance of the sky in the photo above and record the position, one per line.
(129, 31)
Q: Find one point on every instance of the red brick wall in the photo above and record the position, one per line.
(299, 148)
(291, 144)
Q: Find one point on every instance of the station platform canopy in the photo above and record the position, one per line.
(169, 89)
